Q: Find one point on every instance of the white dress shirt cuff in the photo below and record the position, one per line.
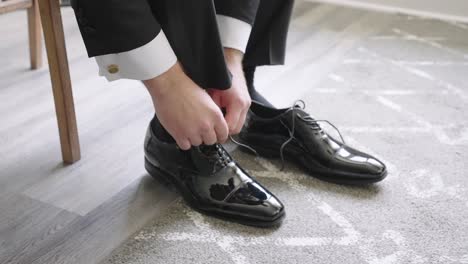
(143, 63)
(234, 33)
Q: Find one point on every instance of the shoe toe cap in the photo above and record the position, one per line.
(273, 208)
(258, 203)
(375, 166)
(352, 160)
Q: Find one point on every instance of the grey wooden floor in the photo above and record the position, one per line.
(51, 213)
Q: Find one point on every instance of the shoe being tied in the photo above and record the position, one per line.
(211, 182)
(291, 134)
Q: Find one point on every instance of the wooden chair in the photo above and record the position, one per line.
(49, 13)
(34, 27)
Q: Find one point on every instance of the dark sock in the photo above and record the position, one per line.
(160, 132)
(249, 73)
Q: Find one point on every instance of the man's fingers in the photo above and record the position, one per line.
(196, 141)
(222, 130)
(241, 122)
(209, 137)
(233, 113)
(184, 144)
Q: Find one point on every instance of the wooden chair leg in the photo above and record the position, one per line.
(60, 76)
(35, 37)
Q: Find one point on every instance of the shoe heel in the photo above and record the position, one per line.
(157, 173)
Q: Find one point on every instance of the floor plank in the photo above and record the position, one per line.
(91, 238)
(52, 213)
(26, 224)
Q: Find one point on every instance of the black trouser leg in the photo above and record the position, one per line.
(193, 35)
(191, 28)
(267, 43)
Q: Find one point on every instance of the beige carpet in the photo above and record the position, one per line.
(397, 87)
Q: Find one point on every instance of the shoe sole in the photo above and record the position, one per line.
(316, 170)
(169, 180)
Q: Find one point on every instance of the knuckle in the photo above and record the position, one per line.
(214, 109)
(223, 139)
(218, 117)
(244, 103)
(222, 135)
(205, 127)
(226, 135)
(248, 103)
(239, 100)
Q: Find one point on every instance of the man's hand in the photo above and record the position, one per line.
(185, 110)
(236, 99)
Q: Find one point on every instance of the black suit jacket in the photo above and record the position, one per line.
(113, 26)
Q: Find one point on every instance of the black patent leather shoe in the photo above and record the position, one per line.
(291, 134)
(211, 182)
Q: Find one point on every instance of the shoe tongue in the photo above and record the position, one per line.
(304, 117)
(295, 112)
(299, 111)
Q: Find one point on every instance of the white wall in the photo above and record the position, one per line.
(456, 10)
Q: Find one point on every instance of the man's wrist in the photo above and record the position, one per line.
(233, 57)
(162, 84)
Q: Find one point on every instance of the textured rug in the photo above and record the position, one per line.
(397, 87)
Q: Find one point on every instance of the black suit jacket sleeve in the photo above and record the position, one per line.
(110, 26)
(244, 10)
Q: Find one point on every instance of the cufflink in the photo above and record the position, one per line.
(113, 68)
